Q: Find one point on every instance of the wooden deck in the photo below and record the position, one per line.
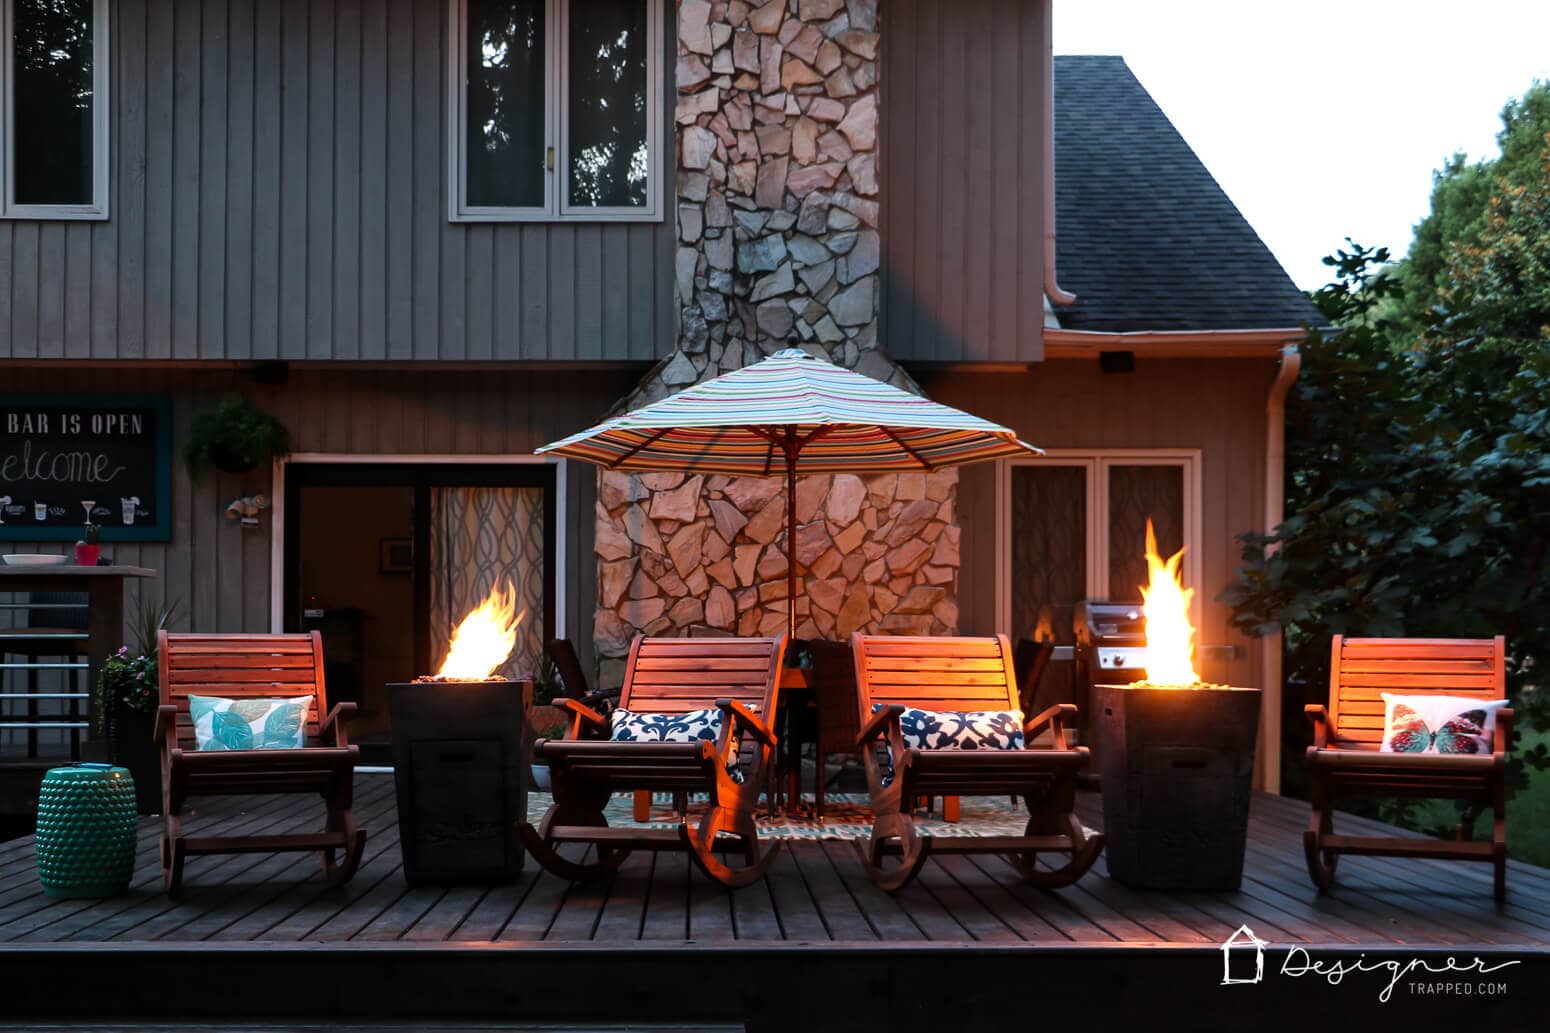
(658, 915)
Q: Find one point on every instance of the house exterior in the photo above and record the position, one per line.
(431, 235)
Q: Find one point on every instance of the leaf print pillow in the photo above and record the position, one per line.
(249, 724)
(1438, 724)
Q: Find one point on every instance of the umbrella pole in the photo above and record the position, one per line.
(791, 538)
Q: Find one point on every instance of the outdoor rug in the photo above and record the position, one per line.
(846, 816)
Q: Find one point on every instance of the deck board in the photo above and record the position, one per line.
(816, 893)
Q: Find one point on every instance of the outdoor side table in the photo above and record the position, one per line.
(86, 831)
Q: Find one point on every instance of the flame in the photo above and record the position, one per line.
(1170, 637)
(483, 641)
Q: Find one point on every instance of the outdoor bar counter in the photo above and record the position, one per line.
(104, 591)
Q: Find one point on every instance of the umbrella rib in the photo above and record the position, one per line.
(913, 454)
(632, 452)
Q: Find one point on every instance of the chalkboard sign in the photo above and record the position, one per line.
(61, 455)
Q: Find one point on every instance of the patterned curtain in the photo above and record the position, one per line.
(1135, 494)
(484, 537)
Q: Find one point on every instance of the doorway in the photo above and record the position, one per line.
(383, 559)
(1072, 527)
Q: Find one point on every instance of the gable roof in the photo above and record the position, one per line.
(1145, 237)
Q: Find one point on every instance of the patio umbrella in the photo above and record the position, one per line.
(796, 411)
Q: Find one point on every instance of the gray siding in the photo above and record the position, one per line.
(221, 574)
(963, 144)
(278, 192)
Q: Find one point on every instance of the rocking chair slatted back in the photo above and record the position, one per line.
(237, 666)
(676, 675)
(935, 673)
(1361, 669)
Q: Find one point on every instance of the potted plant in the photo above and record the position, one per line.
(128, 692)
(234, 437)
(89, 548)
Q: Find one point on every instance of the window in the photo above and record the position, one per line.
(54, 80)
(554, 117)
(1073, 527)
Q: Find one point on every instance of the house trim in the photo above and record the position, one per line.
(102, 125)
(556, 127)
(1061, 343)
(277, 531)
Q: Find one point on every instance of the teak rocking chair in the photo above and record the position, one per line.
(963, 674)
(263, 666)
(1345, 760)
(739, 677)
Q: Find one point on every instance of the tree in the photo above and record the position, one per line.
(1419, 486)
(1461, 193)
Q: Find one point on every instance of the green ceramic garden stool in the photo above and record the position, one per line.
(86, 831)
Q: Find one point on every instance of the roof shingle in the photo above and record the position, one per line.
(1145, 237)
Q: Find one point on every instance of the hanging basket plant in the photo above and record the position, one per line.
(234, 437)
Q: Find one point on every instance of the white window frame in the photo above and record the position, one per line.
(556, 126)
(1097, 463)
(101, 124)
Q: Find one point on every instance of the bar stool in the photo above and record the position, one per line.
(53, 638)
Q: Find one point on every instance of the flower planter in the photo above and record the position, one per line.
(543, 722)
(130, 745)
(87, 555)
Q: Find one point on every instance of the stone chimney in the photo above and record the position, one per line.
(778, 203)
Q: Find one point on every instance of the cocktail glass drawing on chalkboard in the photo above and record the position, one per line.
(5, 500)
(40, 510)
(88, 505)
(128, 507)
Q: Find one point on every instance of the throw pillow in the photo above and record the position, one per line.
(249, 724)
(640, 726)
(960, 729)
(1438, 724)
(953, 730)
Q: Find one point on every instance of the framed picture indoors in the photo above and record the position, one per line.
(395, 555)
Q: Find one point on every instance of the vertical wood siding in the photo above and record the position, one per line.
(963, 144)
(1217, 406)
(220, 573)
(278, 192)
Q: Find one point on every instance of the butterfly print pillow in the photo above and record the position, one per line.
(1438, 724)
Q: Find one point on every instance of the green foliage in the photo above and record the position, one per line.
(1419, 487)
(92, 535)
(234, 436)
(1461, 200)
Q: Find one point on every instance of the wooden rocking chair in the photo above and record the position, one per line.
(265, 666)
(1344, 759)
(738, 676)
(963, 674)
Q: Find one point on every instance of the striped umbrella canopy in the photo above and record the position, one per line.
(792, 413)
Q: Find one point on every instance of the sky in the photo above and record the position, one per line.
(1323, 120)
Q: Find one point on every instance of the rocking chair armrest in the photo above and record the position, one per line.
(1320, 718)
(581, 715)
(334, 724)
(1504, 718)
(741, 715)
(1055, 717)
(879, 723)
(164, 733)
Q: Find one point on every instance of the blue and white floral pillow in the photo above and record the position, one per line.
(639, 726)
(961, 729)
(249, 724)
(954, 730)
